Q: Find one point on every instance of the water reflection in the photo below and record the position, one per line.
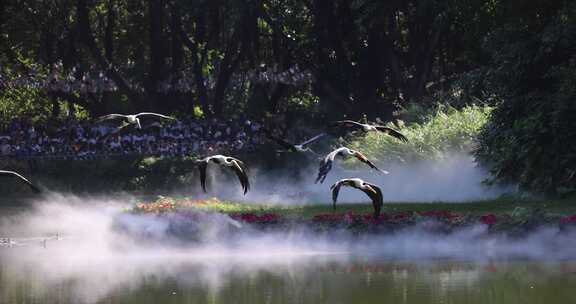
(284, 277)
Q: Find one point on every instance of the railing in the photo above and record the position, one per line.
(7, 242)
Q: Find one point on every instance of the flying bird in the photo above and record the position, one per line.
(373, 191)
(132, 119)
(326, 162)
(291, 147)
(350, 124)
(21, 178)
(233, 163)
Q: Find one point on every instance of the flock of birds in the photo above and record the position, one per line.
(239, 168)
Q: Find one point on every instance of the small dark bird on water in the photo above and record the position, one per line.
(20, 178)
(353, 125)
(373, 191)
(326, 163)
(233, 163)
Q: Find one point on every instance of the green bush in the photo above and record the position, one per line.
(439, 132)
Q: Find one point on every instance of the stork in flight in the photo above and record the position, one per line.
(326, 163)
(21, 178)
(291, 147)
(373, 191)
(368, 128)
(131, 119)
(233, 163)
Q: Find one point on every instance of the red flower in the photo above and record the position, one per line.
(568, 220)
(254, 218)
(440, 214)
(488, 219)
(402, 216)
(369, 219)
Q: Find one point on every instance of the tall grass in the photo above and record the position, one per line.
(432, 134)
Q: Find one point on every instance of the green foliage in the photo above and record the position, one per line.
(19, 102)
(530, 137)
(163, 173)
(440, 131)
(365, 57)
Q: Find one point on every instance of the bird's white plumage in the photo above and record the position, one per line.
(133, 118)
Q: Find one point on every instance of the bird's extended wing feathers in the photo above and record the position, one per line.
(313, 139)
(240, 171)
(21, 178)
(202, 167)
(325, 167)
(155, 114)
(361, 157)
(375, 194)
(392, 133)
(335, 190)
(286, 145)
(109, 116)
(346, 123)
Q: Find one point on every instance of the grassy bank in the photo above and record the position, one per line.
(498, 206)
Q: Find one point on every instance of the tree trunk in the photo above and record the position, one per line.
(197, 56)
(228, 65)
(157, 52)
(87, 38)
(109, 32)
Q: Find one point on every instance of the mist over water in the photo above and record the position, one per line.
(95, 258)
(95, 248)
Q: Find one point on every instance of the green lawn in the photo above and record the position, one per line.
(502, 205)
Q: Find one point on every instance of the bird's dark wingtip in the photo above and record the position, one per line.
(36, 190)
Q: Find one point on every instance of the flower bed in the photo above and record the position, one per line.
(187, 217)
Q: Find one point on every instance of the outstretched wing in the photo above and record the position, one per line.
(335, 190)
(392, 133)
(240, 170)
(346, 123)
(325, 167)
(361, 157)
(155, 114)
(375, 194)
(313, 139)
(202, 167)
(286, 145)
(21, 178)
(110, 116)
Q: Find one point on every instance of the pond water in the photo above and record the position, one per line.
(89, 262)
(296, 279)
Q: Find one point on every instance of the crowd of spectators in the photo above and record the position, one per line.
(71, 139)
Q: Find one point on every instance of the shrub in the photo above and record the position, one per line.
(531, 135)
(441, 131)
